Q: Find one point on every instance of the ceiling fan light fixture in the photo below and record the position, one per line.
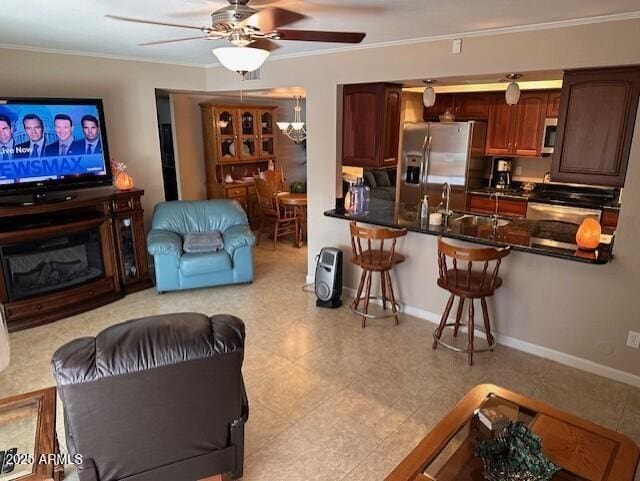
(241, 59)
(512, 94)
(429, 95)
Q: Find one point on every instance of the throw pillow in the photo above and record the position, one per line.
(382, 178)
(370, 180)
(199, 243)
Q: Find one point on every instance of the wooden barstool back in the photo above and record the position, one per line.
(465, 280)
(456, 274)
(374, 257)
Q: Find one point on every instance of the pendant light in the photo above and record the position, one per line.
(429, 95)
(295, 130)
(512, 94)
(241, 59)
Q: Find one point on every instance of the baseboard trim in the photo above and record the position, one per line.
(530, 348)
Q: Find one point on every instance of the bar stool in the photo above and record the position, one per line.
(468, 283)
(375, 259)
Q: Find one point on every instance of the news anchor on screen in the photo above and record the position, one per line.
(91, 143)
(7, 144)
(64, 145)
(35, 146)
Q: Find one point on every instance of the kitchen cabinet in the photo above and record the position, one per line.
(553, 104)
(371, 125)
(609, 219)
(598, 108)
(443, 103)
(238, 140)
(465, 106)
(508, 207)
(516, 129)
(472, 106)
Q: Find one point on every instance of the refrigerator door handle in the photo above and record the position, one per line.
(425, 166)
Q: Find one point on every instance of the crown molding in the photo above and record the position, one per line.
(108, 56)
(616, 17)
(409, 41)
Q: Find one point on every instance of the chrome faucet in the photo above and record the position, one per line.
(446, 197)
(494, 217)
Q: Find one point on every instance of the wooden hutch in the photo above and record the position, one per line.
(239, 140)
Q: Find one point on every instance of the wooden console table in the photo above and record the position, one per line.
(584, 450)
(118, 218)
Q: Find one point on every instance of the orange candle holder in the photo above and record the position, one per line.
(123, 181)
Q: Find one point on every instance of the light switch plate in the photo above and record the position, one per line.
(634, 339)
(456, 47)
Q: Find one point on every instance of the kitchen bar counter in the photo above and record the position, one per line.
(549, 238)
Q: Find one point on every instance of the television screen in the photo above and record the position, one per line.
(52, 143)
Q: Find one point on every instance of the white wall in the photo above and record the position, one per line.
(189, 141)
(579, 309)
(128, 91)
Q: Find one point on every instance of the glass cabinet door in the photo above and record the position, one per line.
(225, 122)
(248, 143)
(267, 140)
(266, 123)
(225, 125)
(127, 249)
(248, 122)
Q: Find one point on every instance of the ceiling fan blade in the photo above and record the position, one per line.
(153, 22)
(270, 18)
(264, 44)
(160, 42)
(320, 36)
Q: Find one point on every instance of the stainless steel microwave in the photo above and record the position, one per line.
(549, 137)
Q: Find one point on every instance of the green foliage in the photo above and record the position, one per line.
(515, 454)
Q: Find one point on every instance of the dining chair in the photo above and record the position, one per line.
(283, 219)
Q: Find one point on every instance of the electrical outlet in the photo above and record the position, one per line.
(519, 171)
(634, 339)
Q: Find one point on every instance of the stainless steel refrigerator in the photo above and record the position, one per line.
(437, 152)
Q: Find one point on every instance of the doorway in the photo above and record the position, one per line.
(167, 152)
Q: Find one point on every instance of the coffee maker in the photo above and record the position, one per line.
(502, 174)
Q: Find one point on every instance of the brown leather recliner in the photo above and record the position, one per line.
(156, 399)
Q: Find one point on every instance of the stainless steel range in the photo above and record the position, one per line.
(569, 203)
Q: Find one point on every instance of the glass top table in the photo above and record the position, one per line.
(27, 432)
(584, 451)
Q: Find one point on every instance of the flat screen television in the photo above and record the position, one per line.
(52, 144)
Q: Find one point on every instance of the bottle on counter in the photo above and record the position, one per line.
(424, 210)
(358, 198)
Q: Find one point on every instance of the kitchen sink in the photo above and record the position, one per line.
(476, 220)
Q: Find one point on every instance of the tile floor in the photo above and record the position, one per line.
(329, 400)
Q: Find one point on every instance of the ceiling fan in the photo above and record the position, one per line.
(244, 26)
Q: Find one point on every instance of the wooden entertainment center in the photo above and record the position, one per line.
(63, 258)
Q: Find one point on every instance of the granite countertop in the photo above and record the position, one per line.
(507, 194)
(549, 238)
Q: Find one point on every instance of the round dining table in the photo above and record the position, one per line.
(298, 202)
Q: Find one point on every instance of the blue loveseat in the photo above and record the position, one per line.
(176, 269)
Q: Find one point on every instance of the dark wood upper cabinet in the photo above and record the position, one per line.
(465, 106)
(371, 124)
(472, 106)
(500, 126)
(443, 103)
(553, 104)
(598, 108)
(516, 129)
(529, 123)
